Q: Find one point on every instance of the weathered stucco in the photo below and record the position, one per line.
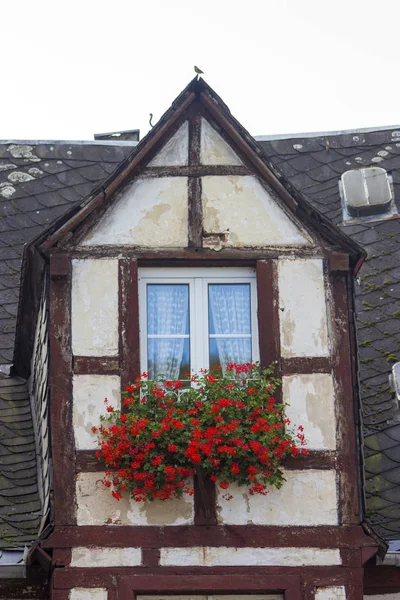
(108, 511)
(307, 498)
(106, 557)
(311, 403)
(88, 394)
(88, 594)
(274, 557)
(148, 212)
(94, 319)
(241, 211)
(383, 597)
(303, 307)
(176, 150)
(213, 148)
(330, 593)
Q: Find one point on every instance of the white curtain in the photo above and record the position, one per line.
(229, 306)
(167, 315)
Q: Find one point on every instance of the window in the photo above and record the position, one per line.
(196, 318)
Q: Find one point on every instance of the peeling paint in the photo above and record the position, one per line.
(88, 404)
(94, 311)
(108, 511)
(149, 212)
(214, 150)
(106, 557)
(240, 206)
(303, 319)
(88, 594)
(331, 593)
(274, 557)
(176, 150)
(311, 403)
(293, 504)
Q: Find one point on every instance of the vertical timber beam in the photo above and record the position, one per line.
(61, 391)
(128, 323)
(195, 216)
(349, 510)
(268, 316)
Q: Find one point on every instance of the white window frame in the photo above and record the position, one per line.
(198, 280)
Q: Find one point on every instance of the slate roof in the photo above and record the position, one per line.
(314, 165)
(40, 181)
(20, 505)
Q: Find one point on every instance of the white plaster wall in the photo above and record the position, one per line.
(108, 511)
(274, 557)
(383, 597)
(148, 212)
(94, 307)
(302, 302)
(88, 394)
(88, 594)
(308, 497)
(213, 148)
(176, 150)
(106, 557)
(311, 403)
(240, 208)
(330, 593)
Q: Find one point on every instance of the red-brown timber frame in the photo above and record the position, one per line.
(348, 536)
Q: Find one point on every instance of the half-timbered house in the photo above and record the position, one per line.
(195, 206)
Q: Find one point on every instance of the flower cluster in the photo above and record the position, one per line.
(228, 427)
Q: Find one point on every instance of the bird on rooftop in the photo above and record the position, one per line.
(198, 71)
(150, 120)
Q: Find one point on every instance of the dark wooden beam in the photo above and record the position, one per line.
(86, 462)
(62, 432)
(300, 365)
(129, 343)
(185, 536)
(195, 214)
(349, 512)
(195, 170)
(195, 254)
(96, 365)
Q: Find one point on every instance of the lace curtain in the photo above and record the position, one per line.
(229, 314)
(167, 328)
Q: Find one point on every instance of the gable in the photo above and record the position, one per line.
(214, 190)
(237, 210)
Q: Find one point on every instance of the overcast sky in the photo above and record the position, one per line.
(72, 69)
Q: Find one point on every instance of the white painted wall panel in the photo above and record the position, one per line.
(108, 511)
(395, 596)
(94, 307)
(213, 148)
(274, 557)
(148, 213)
(303, 308)
(88, 594)
(330, 593)
(311, 403)
(88, 394)
(176, 150)
(106, 557)
(308, 497)
(241, 209)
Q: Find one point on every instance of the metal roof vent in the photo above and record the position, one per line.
(366, 191)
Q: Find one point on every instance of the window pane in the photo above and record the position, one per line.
(168, 309)
(169, 357)
(229, 318)
(168, 347)
(225, 350)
